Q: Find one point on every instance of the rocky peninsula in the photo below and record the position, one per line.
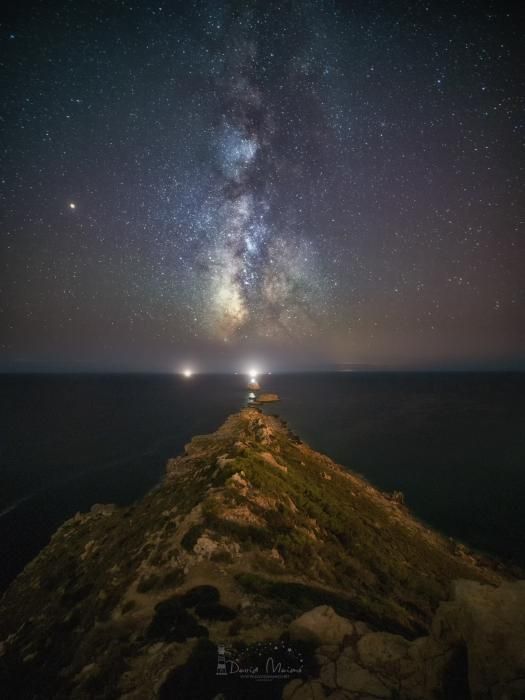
(267, 398)
(259, 568)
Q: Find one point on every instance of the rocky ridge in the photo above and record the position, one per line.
(251, 538)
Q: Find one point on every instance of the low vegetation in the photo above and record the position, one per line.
(248, 529)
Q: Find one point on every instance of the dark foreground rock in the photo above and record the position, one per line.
(255, 552)
(475, 649)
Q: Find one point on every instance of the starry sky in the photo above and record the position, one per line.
(298, 184)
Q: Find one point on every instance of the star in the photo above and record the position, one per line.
(259, 182)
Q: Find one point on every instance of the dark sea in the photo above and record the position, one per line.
(453, 443)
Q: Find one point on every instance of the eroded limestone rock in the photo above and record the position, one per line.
(321, 625)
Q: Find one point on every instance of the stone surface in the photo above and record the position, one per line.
(351, 676)
(103, 508)
(291, 687)
(327, 675)
(476, 650)
(490, 622)
(321, 625)
(299, 690)
(381, 649)
(361, 628)
(330, 651)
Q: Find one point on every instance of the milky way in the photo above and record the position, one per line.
(307, 184)
(262, 279)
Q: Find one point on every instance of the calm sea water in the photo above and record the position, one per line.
(453, 443)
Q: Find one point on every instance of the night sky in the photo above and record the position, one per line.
(296, 184)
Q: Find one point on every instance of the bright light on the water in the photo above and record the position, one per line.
(253, 379)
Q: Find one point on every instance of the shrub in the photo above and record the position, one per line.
(190, 538)
(173, 578)
(128, 605)
(200, 595)
(173, 623)
(146, 583)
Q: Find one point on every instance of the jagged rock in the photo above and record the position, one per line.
(270, 459)
(490, 623)
(476, 650)
(89, 549)
(205, 546)
(103, 508)
(223, 460)
(240, 481)
(321, 625)
(398, 497)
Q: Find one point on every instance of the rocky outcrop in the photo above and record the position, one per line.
(253, 540)
(267, 398)
(489, 625)
(475, 651)
(321, 625)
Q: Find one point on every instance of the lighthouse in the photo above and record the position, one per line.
(253, 384)
(221, 661)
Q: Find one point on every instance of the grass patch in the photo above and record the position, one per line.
(301, 598)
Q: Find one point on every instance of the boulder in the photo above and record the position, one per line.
(489, 623)
(382, 650)
(321, 625)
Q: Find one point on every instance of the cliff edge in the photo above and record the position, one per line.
(253, 547)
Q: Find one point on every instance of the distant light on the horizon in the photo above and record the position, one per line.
(187, 373)
(253, 373)
(72, 205)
